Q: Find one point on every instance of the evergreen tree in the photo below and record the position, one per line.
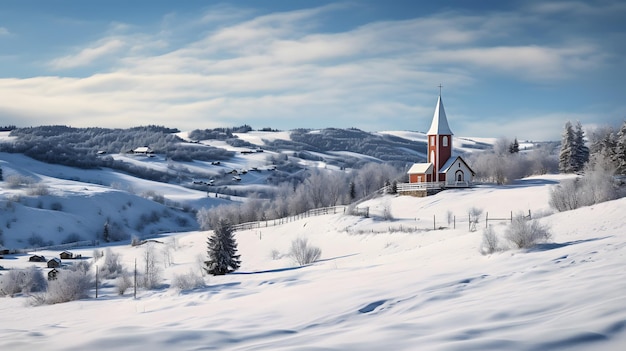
(619, 150)
(222, 250)
(566, 164)
(1, 176)
(581, 151)
(352, 191)
(105, 233)
(514, 147)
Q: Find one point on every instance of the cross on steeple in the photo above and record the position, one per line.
(440, 86)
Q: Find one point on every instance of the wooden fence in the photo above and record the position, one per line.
(274, 222)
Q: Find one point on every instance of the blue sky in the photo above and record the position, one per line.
(508, 68)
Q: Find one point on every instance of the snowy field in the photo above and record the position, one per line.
(378, 285)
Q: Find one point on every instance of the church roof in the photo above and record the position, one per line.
(439, 126)
(419, 168)
(451, 161)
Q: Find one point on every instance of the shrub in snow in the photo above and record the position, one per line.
(303, 253)
(56, 206)
(188, 281)
(490, 243)
(474, 217)
(123, 282)
(275, 254)
(97, 254)
(38, 190)
(69, 286)
(595, 186)
(23, 281)
(17, 181)
(525, 233)
(222, 250)
(111, 267)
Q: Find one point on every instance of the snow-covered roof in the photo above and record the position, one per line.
(440, 121)
(420, 168)
(452, 160)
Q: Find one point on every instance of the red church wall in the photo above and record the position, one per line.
(445, 152)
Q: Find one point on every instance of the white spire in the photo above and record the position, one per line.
(439, 125)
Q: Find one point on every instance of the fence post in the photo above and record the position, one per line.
(454, 221)
(434, 223)
(487, 220)
(511, 216)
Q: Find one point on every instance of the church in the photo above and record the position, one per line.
(442, 169)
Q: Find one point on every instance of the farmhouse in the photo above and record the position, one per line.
(54, 263)
(66, 255)
(36, 258)
(442, 169)
(143, 150)
(52, 274)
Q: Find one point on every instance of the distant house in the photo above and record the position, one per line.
(37, 258)
(52, 275)
(66, 255)
(143, 150)
(54, 263)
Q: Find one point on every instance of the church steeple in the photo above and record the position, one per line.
(439, 124)
(439, 140)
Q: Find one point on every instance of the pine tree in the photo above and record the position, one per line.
(581, 151)
(566, 164)
(619, 150)
(514, 147)
(105, 233)
(222, 250)
(352, 191)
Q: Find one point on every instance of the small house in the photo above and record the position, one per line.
(54, 263)
(66, 255)
(52, 275)
(143, 150)
(37, 258)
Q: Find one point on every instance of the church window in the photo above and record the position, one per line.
(432, 141)
(445, 141)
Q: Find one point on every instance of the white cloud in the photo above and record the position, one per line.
(4, 32)
(87, 56)
(280, 67)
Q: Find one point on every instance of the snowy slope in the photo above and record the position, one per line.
(379, 285)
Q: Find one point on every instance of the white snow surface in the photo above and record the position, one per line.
(378, 285)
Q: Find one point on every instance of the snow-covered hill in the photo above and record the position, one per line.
(380, 284)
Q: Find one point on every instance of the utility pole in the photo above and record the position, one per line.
(135, 282)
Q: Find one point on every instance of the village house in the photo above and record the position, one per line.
(37, 258)
(52, 274)
(54, 263)
(143, 150)
(442, 169)
(66, 255)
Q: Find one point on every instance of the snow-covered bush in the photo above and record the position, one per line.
(17, 181)
(123, 282)
(111, 267)
(474, 214)
(526, 233)
(38, 189)
(69, 286)
(490, 243)
(188, 281)
(302, 253)
(23, 281)
(595, 186)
